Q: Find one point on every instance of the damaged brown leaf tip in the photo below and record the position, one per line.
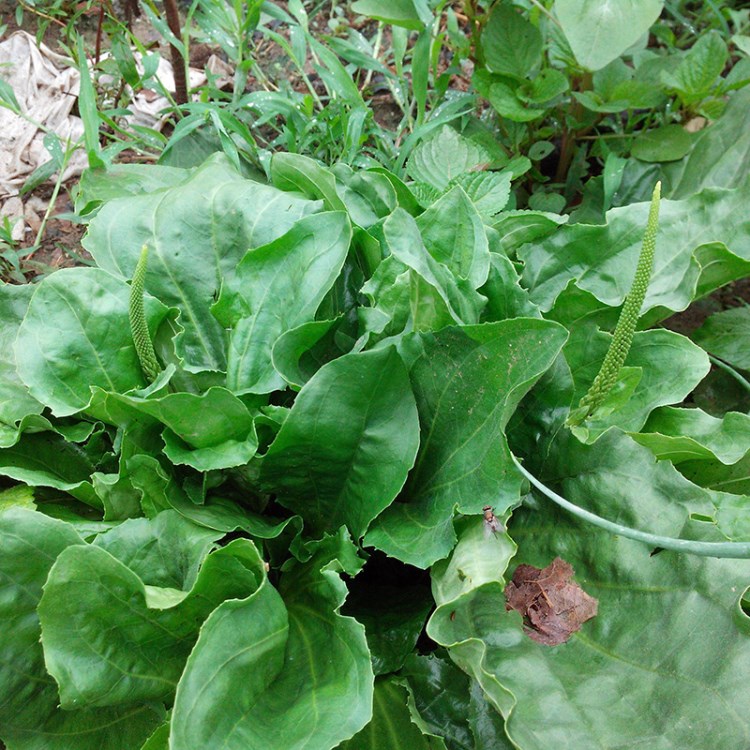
(552, 606)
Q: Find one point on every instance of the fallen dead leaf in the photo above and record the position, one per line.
(552, 605)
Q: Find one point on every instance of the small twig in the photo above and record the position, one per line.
(40, 14)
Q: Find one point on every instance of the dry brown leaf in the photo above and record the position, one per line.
(552, 605)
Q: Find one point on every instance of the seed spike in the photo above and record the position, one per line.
(626, 324)
(138, 327)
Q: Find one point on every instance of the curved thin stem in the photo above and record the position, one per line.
(730, 371)
(736, 550)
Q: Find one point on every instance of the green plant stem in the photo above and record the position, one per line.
(53, 197)
(730, 371)
(546, 12)
(734, 550)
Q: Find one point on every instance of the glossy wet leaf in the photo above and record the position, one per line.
(344, 451)
(30, 717)
(467, 382)
(90, 343)
(278, 287)
(602, 259)
(304, 668)
(104, 654)
(691, 434)
(667, 624)
(600, 32)
(197, 233)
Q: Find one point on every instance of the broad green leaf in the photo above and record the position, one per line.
(122, 180)
(344, 451)
(668, 143)
(467, 382)
(300, 352)
(669, 633)
(505, 101)
(444, 156)
(294, 172)
(367, 196)
(515, 228)
(214, 430)
(716, 475)
(278, 287)
(243, 642)
(458, 242)
(404, 13)
(543, 88)
(435, 288)
(30, 717)
(104, 654)
(197, 233)
(15, 400)
(389, 293)
(391, 725)
(404, 195)
(505, 296)
(720, 157)
(480, 556)
(453, 706)
(511, 45)
(602, 259)
(159, 740)
(227, 516)
(726, 335)
(46, 459)
(489, 191)
(165, 551)
(304, 669)
(20, 496)
(690, 434)
(599, 32)
(670, 367)
(90, 343)
(702, 64)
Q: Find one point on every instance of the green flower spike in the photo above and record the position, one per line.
(623, 335)
(138, 326)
